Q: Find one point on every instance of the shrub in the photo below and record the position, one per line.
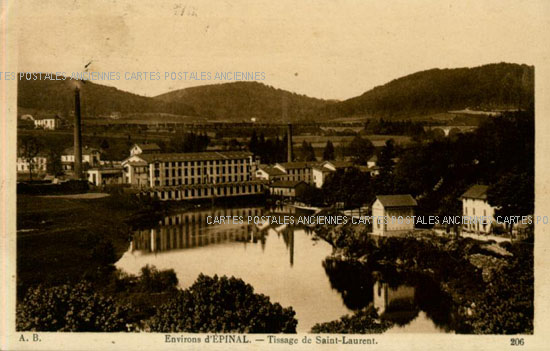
(225, 305)
(70, 308)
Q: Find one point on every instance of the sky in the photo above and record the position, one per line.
(326, 49)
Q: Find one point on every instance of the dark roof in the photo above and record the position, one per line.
(477, 191)
(396, 200)
(85, 151)
(196, 156)
(294, 165)
(272, 171)
(373, 158)
(340, 164)
(148, 147)
(37, 118)
(286, 184)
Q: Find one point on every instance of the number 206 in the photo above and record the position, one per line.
(517, 342)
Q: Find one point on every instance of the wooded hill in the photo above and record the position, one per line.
(488, 87)
(241, 101)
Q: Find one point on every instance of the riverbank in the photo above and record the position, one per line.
(65, 239)
(489, 284)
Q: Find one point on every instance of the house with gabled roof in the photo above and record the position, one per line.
(147, 148)
(477, 209)
(393, 215)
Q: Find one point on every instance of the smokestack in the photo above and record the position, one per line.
(289, 140)
(77, 136)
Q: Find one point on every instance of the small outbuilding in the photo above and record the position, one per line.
(393, 214)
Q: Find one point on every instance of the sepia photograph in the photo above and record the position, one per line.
(273, 174)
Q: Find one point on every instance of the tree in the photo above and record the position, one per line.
(29, 148)
(104, 144)
(513, 195)
(350, 186)
(222, 305)
(306, 152)
(386, 156)
(54, 165)
(70, 308)
(253, 143)
(360, 150)
(328, 153)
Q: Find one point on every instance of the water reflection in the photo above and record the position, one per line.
(412, 302)
(285, 263)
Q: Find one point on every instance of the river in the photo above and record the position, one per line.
(289, 264)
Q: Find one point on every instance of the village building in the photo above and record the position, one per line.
(372, 166)
(269, 173)
(91, 157)
(47, 122)
(297, 171)
(373, 161)
(322, 171)
(476, 207)
(139, 149)
(105, 175)
(181, 176)
(39, 164)
(287, 188)
(393, 215)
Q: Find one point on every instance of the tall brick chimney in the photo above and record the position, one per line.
(77, 136)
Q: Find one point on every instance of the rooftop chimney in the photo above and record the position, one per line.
(77, 136)
(289, 140)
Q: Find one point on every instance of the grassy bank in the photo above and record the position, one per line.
(61, 240)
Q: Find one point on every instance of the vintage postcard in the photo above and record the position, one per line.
(182, 175)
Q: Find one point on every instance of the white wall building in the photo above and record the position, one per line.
(181, 176)
(39, 164)
(50, 123)
(297, 171)
(393, 214)
(320, 173)
(91, 157)
(269, 173)
(476, 207)
(139, 149)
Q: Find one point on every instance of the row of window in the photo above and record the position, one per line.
(474, 211)
(220, 191)
(191, 171)
(200, 163)
(201, 180)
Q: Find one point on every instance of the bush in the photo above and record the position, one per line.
(70, 308)
(363, 322)
(155, 281)
(225, 305)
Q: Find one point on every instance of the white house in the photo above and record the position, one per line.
(476, 208)
(91, 157)
(320, 172)
(39, 164)
(269, 173)
(51, 122)
(139, 149)
(372, 162)
(393, 214)
(297, 171)
(287, 188)
(105, 175)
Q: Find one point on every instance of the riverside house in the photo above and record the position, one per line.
(393, 215)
